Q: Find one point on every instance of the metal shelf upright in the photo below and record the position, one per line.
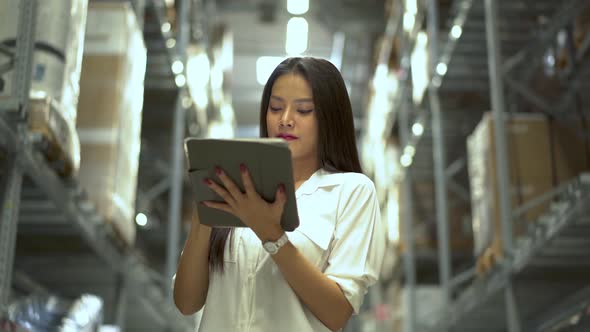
(23, 159)
(497, 295)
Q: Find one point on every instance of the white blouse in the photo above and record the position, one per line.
(340, 232)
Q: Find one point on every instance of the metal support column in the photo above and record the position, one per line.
(409, 257)
(177, 162)
(25, 43)
(11, 188)
(498, 106)
(439, 156)
(121, 295)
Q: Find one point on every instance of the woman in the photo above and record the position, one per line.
(314, 278)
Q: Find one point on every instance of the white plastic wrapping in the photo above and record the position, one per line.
(59, 41)
(109, 113)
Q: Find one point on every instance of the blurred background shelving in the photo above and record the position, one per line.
(471, 118)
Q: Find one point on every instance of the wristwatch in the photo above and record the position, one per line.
(272, 247)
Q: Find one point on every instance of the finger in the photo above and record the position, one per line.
(228, 183)
(247, 180)
(280, 198)
(222, 192)
(218, 206)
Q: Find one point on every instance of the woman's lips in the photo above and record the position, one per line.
(287, 137)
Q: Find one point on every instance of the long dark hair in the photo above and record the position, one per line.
(337, 151)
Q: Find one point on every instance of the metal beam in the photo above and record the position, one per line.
(409, 258)
(498, 106)
(121, 295)
(8, 223)
(177, 157)
(564, 16)
(27, 22)
(439, 157)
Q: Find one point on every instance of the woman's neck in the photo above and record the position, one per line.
(303, 170)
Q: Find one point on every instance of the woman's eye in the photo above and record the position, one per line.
(304, 111)
(275, 109)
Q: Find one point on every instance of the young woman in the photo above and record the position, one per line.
(261, 278)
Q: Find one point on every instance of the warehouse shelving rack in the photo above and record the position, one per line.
(26, 171)
(506, 299)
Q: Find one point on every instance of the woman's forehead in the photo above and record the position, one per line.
(291, 88)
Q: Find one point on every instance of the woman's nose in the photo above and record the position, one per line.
(286, 119)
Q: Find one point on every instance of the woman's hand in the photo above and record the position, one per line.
(261, 216)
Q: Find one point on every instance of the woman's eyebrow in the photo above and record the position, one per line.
(300, 100)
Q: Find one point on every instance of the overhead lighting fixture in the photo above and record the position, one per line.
(265, 66)
(177, 67)
(198, 70)
(141, 219)
(406, 160)
(170, 43)
(419, 63)
(297, 30)
(297, 7)
(187, 102)
(410, 150)
(441, 68)
(411, 7)
(417, 129)
(180, 80)
(409, 21)
(201, 99)
(456, 31)
(166, 27)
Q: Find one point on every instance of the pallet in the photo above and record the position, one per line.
(54, 137)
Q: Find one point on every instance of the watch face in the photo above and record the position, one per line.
(270, 247)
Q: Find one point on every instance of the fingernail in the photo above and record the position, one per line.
(207, 182)
(218, 170)
(242, 168)
(282, 188)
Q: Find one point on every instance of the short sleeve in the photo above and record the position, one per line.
(358, 247)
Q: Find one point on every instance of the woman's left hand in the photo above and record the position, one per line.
(255, 212)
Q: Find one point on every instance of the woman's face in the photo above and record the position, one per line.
(291, 116)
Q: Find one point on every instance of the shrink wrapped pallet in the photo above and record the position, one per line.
(56, 65)
(109, 113)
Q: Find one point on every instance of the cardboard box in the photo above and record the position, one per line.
(109, 113)
(542, 154)
(61, 145)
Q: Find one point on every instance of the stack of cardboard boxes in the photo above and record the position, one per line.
(109, 113)
(541, 153)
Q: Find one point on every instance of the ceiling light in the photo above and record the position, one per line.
(410, 150)
(187, 102)
(180, 80)
(441, 68)
(141, 219)
(411, 7)
(297, 30)
(170, 43)
(166, 27)
(198, 70)
(297, 7)
(406, 160)
(177, 67)
(409, 20)
(417, 129)
(456, 31)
